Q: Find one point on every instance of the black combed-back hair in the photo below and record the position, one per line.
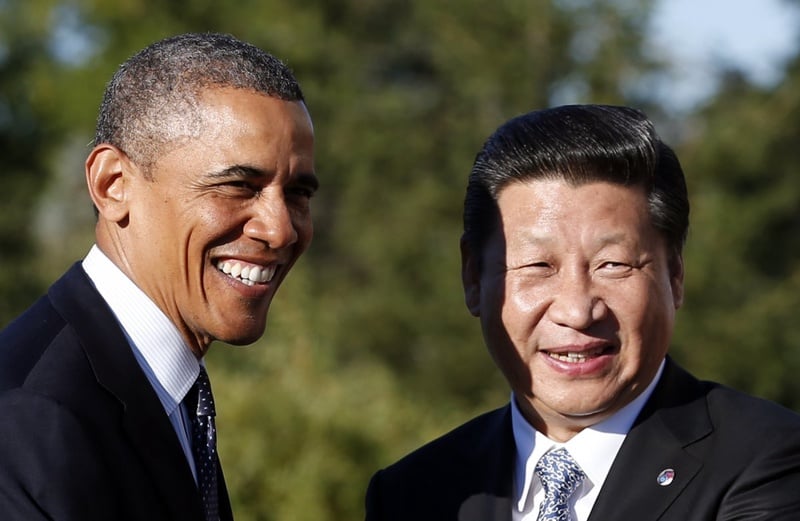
(578, 144)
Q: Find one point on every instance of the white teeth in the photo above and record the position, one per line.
(568, 357)
(247, 274)
(576, 357)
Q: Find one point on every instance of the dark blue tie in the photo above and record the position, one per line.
(560, 477)
(204, 445)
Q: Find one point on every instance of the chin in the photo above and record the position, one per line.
(242, 336)
(241, 340)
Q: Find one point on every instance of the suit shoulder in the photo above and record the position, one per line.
(460, 444)
(748, 412)
(472, 463)
(692, 409)
(44, 341)
(24, 341)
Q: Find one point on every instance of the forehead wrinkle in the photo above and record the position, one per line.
(539, 237)
(612, 239)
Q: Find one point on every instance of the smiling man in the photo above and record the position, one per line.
(201, 174)
(574, 223)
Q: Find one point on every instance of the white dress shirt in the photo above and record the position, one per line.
(158, 346)
(593, 449)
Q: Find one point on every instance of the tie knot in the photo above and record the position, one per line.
(560, 474)
(205, 400)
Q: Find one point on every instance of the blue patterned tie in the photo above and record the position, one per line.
(204, 445)
(560, 477)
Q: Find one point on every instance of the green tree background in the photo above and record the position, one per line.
(369, 351)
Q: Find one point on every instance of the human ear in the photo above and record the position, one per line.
(107, 171)
(676, 278)
(471, 277)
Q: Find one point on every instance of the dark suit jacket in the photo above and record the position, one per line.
(734, 457)
(83, 435)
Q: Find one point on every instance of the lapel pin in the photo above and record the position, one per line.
(665, 477)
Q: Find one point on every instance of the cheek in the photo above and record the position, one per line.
(523, 305)
(212, 223)
(208, 210)
(510, 314)
(646, 319)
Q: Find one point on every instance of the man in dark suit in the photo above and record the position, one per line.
(574, 223)
(201, 175)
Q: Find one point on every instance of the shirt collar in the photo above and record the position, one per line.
(593, 449)
(158, 345)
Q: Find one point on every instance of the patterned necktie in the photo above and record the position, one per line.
(560, 477)
(204, 445)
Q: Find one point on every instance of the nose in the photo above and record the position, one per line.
(575, 304)
(272, 223)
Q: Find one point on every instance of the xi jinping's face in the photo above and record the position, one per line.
(576, 292)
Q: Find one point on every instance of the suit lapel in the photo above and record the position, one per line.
(116, 369)
(225, 509)
(655, 447)
(493, 466)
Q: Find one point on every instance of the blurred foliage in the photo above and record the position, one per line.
(369, 350)
(743, 259)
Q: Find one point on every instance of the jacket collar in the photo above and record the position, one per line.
(115, 368)
(653, 467)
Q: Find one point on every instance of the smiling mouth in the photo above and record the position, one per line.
(249, 274)
(577, 357)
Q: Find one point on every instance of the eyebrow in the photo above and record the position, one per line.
(308, 179)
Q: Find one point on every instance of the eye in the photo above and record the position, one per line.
(536, 268)
(299, 194)
(614, 268)
(300, 191)
(240, 187)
